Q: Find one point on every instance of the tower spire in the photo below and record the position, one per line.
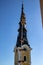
(22, 36)
(22, 15)
(22, 7)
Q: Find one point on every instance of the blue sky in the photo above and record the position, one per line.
(10, 12)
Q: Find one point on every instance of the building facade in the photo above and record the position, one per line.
(22, 50)
(41, 7)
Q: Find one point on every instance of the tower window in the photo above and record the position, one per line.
(24, 58)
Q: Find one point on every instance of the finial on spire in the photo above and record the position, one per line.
(22, 6)
(22, 15)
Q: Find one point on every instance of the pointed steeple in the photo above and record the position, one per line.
(22, 7)
(22, 20)
(22, 35)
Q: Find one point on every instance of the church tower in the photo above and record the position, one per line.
(22, 50)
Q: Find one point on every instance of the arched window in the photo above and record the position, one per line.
(24, 58)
